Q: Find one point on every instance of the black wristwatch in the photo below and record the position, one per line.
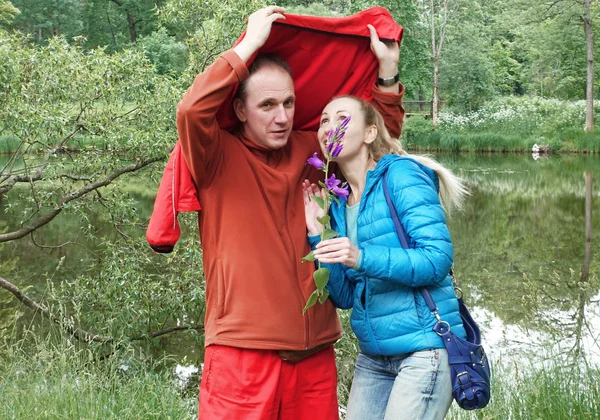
(388, 81)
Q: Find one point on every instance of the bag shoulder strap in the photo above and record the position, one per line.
(404, 241)
(399, 228)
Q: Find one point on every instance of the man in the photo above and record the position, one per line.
(253, 235)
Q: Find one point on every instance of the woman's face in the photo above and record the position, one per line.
(355, 138)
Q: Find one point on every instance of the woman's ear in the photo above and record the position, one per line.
(240, 109)
(371, 134)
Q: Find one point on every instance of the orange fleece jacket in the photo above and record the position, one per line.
(252, 225)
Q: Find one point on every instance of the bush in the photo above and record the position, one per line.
(580, 140)
(415, 128)
(511, 124)
(168, 55)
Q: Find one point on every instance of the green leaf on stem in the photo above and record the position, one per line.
(321, 277)
(308, 257)
(324, 220)
(337, 200)
(311, 301)
(319, 201)
(328, 234)
(324, 296)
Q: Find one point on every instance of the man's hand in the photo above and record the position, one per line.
(312, 210)
(337, 250)
(258, 30)
(388, 55)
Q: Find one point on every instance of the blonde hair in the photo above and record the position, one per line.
(452, 189)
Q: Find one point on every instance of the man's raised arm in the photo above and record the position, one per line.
(387, 97)
(197, 124)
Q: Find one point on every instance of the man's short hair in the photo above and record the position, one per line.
(261, 61)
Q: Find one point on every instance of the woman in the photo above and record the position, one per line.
(402, 369)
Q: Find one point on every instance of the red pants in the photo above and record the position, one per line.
(245, 384)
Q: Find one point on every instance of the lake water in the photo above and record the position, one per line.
(519, 250)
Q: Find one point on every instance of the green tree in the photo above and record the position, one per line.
(7, 12)
(140, 16)
(85, 123)
(209, 28)
(437, 19)
(468, 76)
(45, 19)
(414, 56)
(557, 42)
(167, 53)
(101, 22)
(467, 68)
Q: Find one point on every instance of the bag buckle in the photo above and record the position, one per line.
(461, 375)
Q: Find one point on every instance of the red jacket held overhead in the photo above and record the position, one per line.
(326, 61)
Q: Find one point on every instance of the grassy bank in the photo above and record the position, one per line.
(507, 125)
(57, 380)
(549, 392)
(50, 378)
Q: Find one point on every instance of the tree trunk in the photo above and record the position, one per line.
(589, 94)
(587, 255)
(421, 98)
(585, 271)
(130, 21)
(132, 31)
(436, 49)
(434, 98)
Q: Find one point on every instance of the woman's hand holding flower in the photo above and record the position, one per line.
(337, 250)
(312, 210)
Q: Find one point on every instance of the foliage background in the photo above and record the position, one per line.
(88, 90)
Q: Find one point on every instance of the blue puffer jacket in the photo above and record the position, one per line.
(389, 315)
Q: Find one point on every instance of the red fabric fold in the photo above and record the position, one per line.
(328, 56)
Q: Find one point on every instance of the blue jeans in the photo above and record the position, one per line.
(413, 386)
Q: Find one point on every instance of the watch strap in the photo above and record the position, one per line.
(388, 81)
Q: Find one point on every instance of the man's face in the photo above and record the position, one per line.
(267, 113)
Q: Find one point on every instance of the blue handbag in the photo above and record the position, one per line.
(470, 368)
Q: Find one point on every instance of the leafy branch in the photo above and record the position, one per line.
(79, 333)
(11, 236)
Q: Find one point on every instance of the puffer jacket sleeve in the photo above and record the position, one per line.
(340, 288)
(429, 258)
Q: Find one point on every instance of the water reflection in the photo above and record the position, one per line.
(509, 343)
(518, 254)
(519, 250)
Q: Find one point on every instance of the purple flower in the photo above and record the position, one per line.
(337, 150)
(330, 146)
(332, 135)
(341, 192)
(331, 182)
(316, 162)
(345, 122)
(332, 185)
